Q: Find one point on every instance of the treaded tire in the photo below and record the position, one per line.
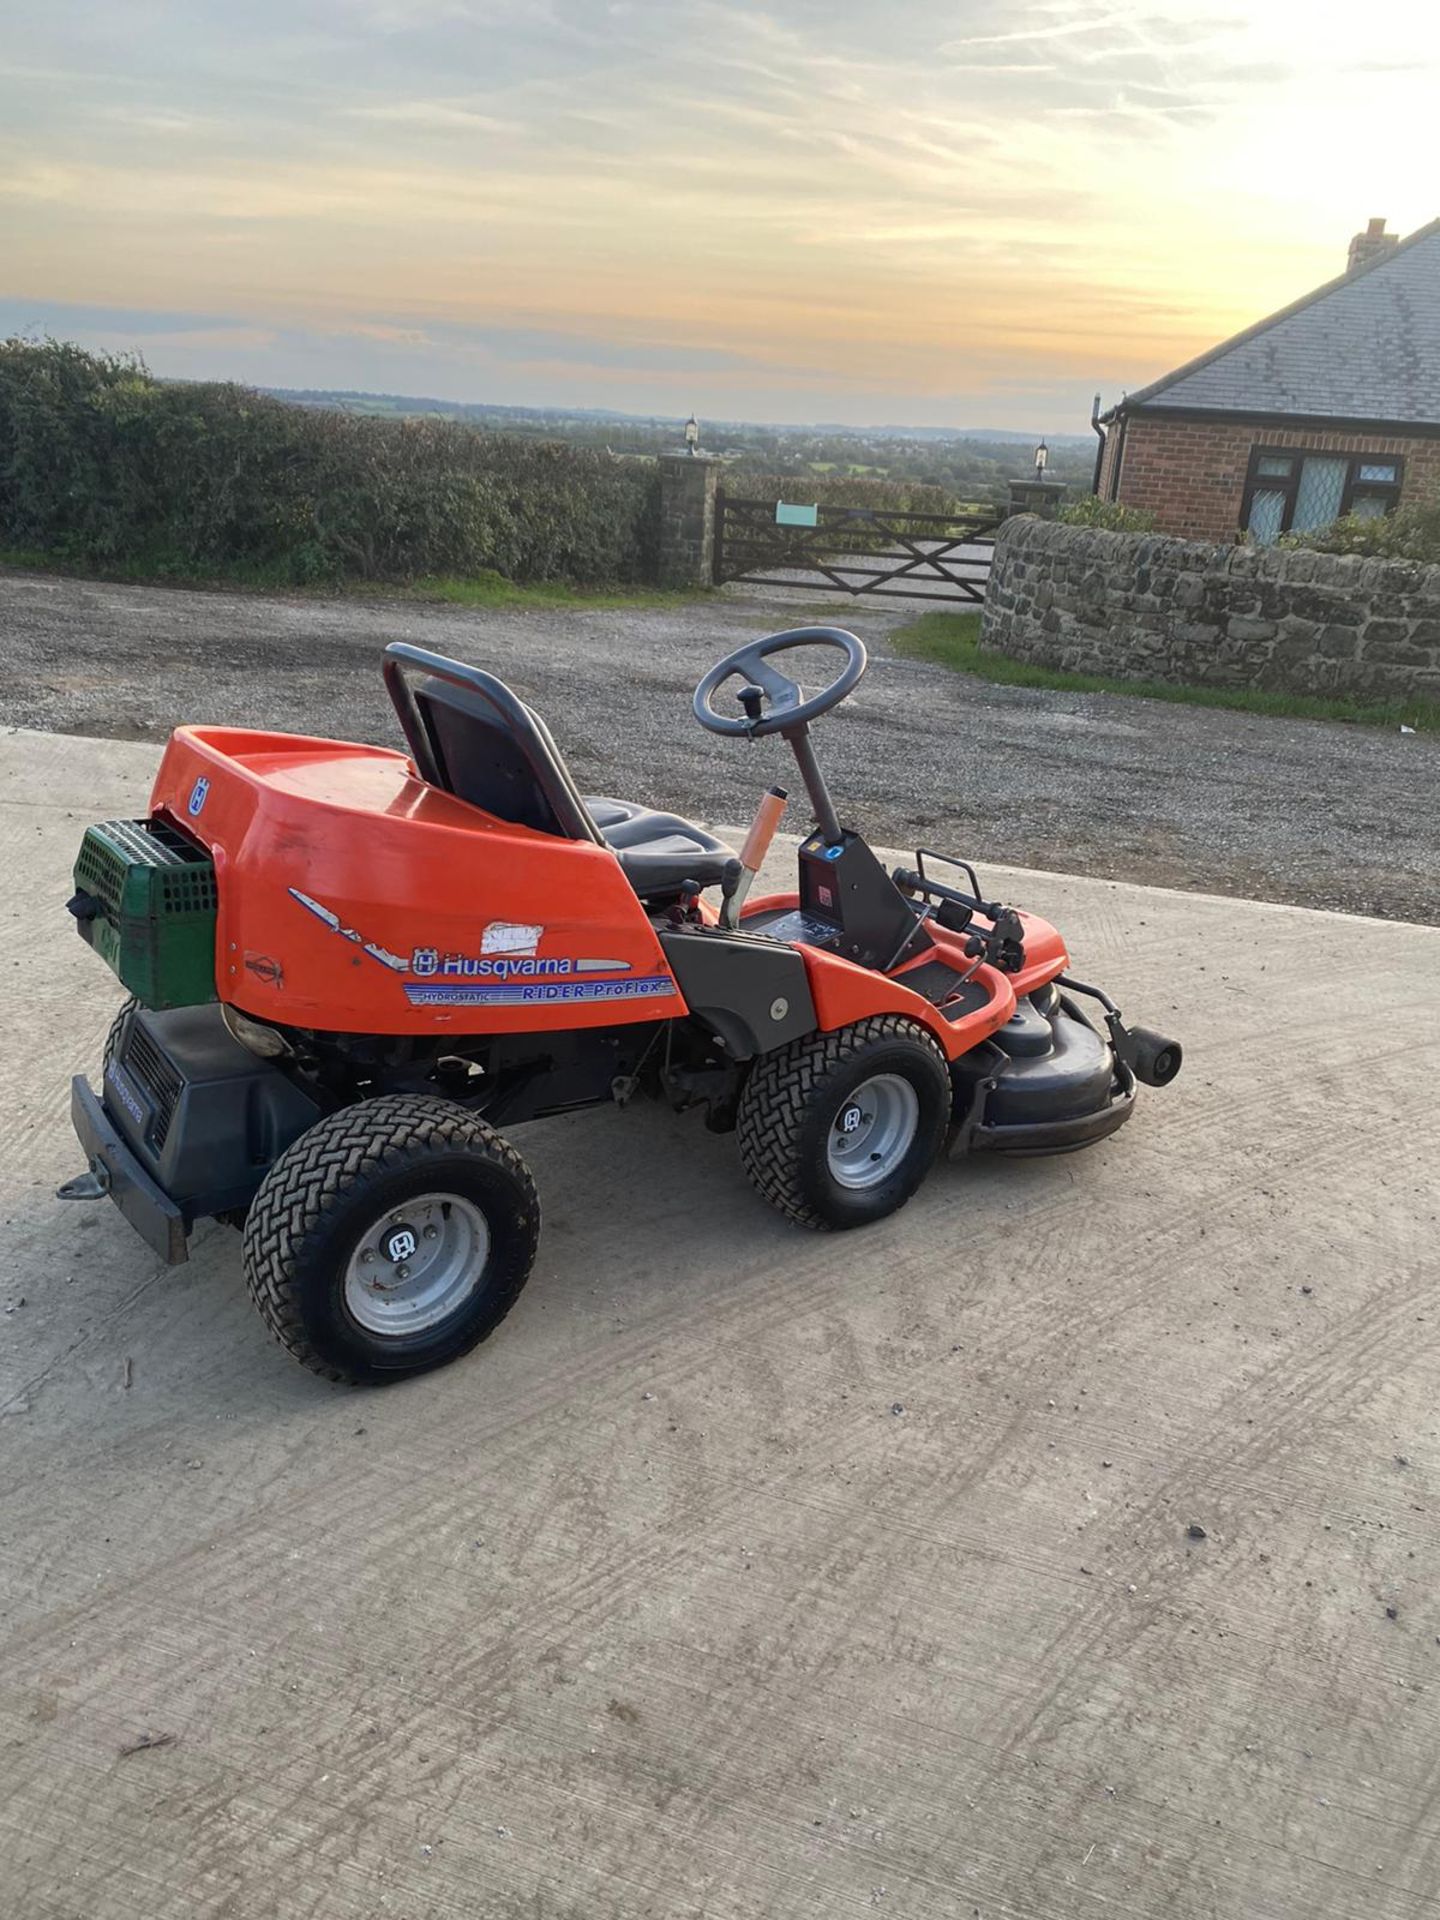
(325, 1191)
(112, 1038)
(791, 1102)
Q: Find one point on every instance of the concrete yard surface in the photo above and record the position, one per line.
(745, 1572)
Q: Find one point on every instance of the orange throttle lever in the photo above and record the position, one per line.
(752, 854)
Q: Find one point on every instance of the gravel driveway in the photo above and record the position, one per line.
(1318, 815)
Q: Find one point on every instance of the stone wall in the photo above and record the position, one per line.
(1141, 606)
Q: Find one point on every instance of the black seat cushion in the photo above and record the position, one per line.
(659, 851)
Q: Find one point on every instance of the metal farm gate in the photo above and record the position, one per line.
(888, 553)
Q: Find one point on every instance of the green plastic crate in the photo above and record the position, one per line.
(145, 900)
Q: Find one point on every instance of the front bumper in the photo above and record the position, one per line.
(1047, 1082)
(148, 1208)
(1059, 1136)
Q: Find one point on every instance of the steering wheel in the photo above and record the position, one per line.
(788, 706)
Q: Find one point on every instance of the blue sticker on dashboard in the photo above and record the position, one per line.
(198, 795)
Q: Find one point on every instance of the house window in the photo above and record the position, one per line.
(1288, 491)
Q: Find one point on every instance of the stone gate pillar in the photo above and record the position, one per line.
(688, 485)
(1042, 497)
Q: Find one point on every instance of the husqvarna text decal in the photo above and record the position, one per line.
(429, 962)
(507, 972)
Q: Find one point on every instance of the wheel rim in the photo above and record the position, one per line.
(872, 1131)
(416, 1264)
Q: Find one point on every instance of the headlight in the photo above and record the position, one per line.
(255, 1035)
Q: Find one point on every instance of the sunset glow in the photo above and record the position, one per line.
(945, 214)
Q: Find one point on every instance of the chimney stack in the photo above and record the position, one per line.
(1370, 245)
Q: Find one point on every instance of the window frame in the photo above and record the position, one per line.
(1257, 482)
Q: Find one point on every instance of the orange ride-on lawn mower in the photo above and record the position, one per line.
(351, 967)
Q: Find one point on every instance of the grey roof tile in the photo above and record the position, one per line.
(1364, 347)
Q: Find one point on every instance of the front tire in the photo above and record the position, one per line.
(839, 1129)
(392, 1237)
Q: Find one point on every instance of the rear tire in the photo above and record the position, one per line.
(112, 1038)
(392, 1237)
(839, 1129)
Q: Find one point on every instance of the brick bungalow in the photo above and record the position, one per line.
(1331, 406)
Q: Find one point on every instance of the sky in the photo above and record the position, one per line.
(957, 213)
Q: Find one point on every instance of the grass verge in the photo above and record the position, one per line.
(493, 590)
(151, 570)
(953, 640)
(485, 589)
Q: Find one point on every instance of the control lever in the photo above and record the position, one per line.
(1004, 945)
(682, 912)
(752, 854)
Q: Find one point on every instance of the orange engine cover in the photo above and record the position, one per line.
(354, 898)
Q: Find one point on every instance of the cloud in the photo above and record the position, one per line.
(1055, 30)
(833, 198)
(208, 339)
(442, 115)
(378, 331)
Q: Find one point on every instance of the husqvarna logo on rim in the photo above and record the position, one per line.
(399, 1244)
(198, 795)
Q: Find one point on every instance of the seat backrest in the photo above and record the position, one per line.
(469, 734)
(479, 759)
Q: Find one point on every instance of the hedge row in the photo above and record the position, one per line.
(1410, 533)
(844, 490)
(103, 465)
(1109, 515)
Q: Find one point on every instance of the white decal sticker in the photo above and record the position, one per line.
(507, 936)
(394, 961)
(331, 918)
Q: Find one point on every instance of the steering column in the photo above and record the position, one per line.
(790, 711)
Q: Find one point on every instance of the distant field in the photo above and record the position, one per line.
(971, 463)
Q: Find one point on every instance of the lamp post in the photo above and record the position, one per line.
(1039, 494)
(692, 436)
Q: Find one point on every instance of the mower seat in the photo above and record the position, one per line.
(478, 755)
(659, 851)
